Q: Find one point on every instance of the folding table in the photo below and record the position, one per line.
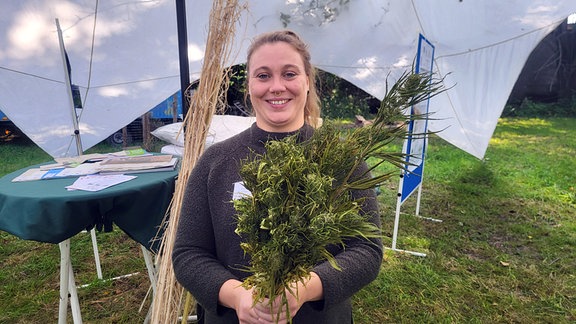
(45, 211)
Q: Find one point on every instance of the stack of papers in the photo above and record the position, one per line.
(103, 164)
(138, 164)
(54, 173)
(98, 182)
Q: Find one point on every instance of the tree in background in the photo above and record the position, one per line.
(342, 99)
(546, 87)
(549, 74)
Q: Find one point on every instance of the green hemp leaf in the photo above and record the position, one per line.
(301, 202)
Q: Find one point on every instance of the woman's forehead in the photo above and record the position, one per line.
(275, 54)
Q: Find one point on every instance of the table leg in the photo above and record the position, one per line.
(67, 287)
(74, 302)
(64, 280)
(96, 254)
(68, 283)
(151, 268)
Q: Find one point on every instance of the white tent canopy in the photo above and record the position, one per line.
(480, 49)
(131, 67)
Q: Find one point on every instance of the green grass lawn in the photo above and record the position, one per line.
(505, 251)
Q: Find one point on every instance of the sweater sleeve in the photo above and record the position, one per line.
(359, 261)
(194, 259)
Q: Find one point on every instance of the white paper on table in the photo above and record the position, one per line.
(80, 170)
(98, 182)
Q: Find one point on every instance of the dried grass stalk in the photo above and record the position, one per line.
(208, 98)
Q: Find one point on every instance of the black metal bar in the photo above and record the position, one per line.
(183, 53)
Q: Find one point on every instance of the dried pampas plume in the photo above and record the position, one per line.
(208, 98)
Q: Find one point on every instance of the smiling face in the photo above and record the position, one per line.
(278, 86)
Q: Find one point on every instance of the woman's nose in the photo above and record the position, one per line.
(277, 85)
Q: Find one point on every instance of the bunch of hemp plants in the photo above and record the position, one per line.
(300, 202)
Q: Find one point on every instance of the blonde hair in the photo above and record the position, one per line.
(312, 107)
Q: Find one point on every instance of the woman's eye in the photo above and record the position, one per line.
(262, 76)
(289, 75)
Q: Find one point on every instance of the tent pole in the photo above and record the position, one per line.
(69, 88)
(183, 53)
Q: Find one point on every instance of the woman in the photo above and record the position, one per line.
(207, 256)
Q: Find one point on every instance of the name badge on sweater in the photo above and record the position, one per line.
(240, 191)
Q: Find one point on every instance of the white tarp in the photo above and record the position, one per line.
(133, 66)
(480, 48)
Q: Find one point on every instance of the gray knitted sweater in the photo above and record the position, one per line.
(207, 251)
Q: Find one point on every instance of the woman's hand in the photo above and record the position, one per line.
(273, 311)
(233, 295)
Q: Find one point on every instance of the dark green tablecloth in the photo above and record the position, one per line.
(45, 211)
